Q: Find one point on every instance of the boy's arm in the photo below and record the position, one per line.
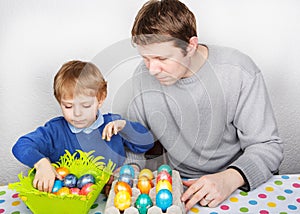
(44, 142)
(136, 137)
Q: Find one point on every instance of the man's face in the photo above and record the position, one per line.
(165, 62)
(81, 112)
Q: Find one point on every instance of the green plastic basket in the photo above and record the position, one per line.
(43, 203)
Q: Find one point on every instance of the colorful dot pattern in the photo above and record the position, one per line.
(281, 194)
(10, 203)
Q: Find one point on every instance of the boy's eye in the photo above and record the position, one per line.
(86, 106)
(68, 107)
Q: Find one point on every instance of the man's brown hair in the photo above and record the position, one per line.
(162, 21)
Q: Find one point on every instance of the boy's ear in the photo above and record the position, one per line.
(100, 102)
(192, 46)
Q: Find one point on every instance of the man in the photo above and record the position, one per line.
(207, 105)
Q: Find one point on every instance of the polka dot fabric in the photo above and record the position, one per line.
(281, 194)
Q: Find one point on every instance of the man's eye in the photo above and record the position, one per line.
(86, 106)
(68, 107)
(162, 59)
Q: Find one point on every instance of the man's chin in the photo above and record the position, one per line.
(167, 83)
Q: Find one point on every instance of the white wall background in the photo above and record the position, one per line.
(37, 37)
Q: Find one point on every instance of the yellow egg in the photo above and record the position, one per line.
(122, 200)
(163, 184)
(146, 172)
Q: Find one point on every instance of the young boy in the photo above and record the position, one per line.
(80, 90)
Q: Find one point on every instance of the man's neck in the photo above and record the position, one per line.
(199, 58)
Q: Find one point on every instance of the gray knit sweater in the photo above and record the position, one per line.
(218, 118)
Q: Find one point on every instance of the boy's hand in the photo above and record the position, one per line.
(112, 128)
(45, 175)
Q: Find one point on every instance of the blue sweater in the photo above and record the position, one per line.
(55, 137)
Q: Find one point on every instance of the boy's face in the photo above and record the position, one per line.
(165, 62)
(81, 111)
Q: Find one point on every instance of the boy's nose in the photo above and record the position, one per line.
(77, 111)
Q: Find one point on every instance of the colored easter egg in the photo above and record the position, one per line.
(62, 171)
(164, 199)
(163, 175)
(63, 191)
(127, 169)
(143, 203)
(57, 185)
(122, 200)
(166, 168)
(126, 178)
(146, 172)
(85, 179)
(144, 185)
(75, 191)
(86, 189)
(163, 184)
(121, 185)
(70, 180)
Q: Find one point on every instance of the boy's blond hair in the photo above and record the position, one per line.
(79, 78)
(162, 21)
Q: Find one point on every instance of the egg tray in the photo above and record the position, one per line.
(176, 208)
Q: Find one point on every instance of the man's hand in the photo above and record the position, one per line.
(112, 128)
(45, 175)
(211, 190)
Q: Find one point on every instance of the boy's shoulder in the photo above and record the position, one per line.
(57, 121)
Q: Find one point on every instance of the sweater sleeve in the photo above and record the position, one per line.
(136, 137)
(32, 147)
(43, 142)
(135, 159)
(257, 132)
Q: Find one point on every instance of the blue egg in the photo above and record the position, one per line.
(70, 181)
(57, 185)
(127, 169)
(164, 199)
(126, 178)
(85, 179)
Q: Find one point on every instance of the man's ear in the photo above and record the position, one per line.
(192, 46)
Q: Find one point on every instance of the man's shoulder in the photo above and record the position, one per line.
(141, 68)
(227, 56)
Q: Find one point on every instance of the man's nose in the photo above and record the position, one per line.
(154, 67)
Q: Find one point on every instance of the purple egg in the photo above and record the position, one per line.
(70, 180)
(126, 178)
(85, 179)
